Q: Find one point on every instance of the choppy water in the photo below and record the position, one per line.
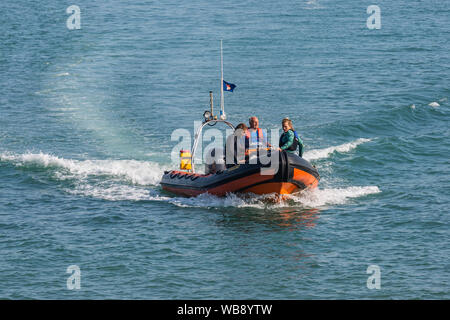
(85, 125)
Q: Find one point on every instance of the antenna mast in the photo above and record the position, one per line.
(222, 103)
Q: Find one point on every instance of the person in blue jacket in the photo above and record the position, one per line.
(289, 140)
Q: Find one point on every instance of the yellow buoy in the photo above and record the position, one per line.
(185, 160)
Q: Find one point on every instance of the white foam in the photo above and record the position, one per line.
(112, 192)
(210, 201)
(332, 196)
(142, 174)
(313, 4)
(315, 198)
(137, 172)
(434, 104)
(324, 153)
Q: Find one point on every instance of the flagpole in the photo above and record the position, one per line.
(222, 102)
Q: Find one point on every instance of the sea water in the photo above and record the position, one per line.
(87, 114)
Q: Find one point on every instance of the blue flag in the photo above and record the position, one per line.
(228, 86)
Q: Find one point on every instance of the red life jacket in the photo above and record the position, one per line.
(255, 141)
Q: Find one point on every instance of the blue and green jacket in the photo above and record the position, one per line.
(289, 141)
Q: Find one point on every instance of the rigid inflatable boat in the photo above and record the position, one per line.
(285, 173)
(292, 174)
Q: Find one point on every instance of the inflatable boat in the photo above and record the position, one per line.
(292, 174)
(285, 173)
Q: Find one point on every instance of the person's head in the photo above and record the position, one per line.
(241, 129)
(287, 124)
(254, 122)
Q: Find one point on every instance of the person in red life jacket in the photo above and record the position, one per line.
(257, 136)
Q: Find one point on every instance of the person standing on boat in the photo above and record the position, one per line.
(237, 145)
(289, 140)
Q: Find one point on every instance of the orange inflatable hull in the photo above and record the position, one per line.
(291, 175)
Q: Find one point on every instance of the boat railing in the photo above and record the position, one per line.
(198, 136)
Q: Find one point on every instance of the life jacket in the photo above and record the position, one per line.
(297, 143)
(257, 138)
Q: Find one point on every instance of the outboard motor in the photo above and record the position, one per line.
(215, 161)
